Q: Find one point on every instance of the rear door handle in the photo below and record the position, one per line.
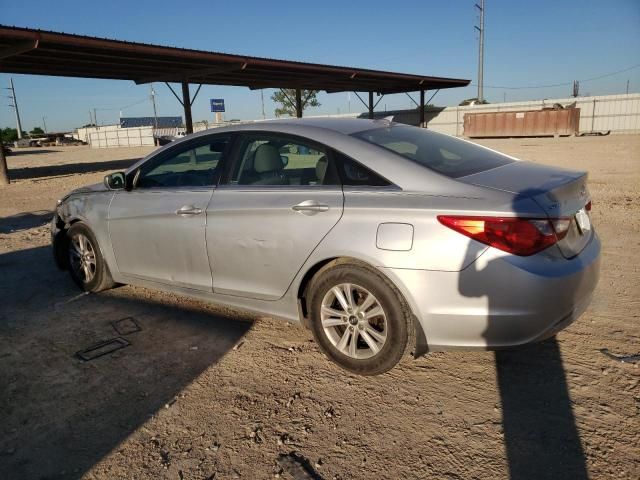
(310, 207)
(189, 210)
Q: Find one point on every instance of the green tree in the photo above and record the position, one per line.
(286, 98)
(10, 135)
(36, 131)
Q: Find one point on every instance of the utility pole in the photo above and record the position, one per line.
(480, 52)
(155, 116)
(155, 112)
(15, 106)
(627, 86)
(44, 124)
(262, 98)
(576, 89)
(95, 118)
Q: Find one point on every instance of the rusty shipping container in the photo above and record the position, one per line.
(532, 123)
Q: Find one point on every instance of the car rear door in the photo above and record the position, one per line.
(274, 206)
(157, 229)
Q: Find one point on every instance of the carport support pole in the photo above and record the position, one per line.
(4, 171)
(371, 105)
(422, 109)
(186, 103)
(298, 103)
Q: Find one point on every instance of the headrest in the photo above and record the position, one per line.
(267, 159)
(321, 168)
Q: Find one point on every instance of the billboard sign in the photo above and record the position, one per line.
(217, 104)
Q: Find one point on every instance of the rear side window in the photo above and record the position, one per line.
(444, 154)
(267, 159)
(353, 173)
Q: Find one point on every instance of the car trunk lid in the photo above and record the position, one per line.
(560, 193)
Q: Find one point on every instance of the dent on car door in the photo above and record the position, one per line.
(281, 197)
(157, 229)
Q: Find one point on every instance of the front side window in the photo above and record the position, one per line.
(194, 166)
(265, 159)
(444, 154)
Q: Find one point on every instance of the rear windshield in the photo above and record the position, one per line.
(442, 153)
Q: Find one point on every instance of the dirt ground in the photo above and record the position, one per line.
(204, 392)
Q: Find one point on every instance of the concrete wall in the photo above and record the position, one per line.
(110, 136)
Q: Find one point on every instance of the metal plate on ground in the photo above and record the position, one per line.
(102, 348)
(126, 326)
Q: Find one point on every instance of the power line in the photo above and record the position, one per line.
(564, 84)
(146, 99)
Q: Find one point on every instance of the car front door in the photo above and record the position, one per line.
(157, 228)
(272, 209)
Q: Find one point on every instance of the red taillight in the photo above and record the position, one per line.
(520, 236)
(587, 207)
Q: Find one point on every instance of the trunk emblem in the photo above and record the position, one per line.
(583, 191)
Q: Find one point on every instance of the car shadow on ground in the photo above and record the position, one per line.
(59, 416)
(17, 152)
(24, 173)
(25, 221)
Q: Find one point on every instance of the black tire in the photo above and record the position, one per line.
(399, 324)
(101, 278)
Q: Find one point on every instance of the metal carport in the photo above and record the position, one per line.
(39, 52)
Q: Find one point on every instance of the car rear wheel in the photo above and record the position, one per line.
(358, 318)
(86, 265)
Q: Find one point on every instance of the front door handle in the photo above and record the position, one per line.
(310, 207)
(189, 210)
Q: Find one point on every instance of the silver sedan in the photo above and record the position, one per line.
(381, 238)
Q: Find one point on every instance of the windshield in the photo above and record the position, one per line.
(444, 154)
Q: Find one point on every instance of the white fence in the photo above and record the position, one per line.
(105, 137)
(614, 113)
(116, 136)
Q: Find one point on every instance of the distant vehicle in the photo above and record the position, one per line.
(165, 139)
(69, 141)
(381, 238)
(473, 101)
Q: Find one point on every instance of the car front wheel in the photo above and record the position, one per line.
(86, 265)
(359, 319)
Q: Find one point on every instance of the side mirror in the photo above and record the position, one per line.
(115, 181)
(285, 160)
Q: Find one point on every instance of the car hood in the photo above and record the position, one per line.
(87, 189)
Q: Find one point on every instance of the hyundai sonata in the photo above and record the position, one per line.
(381, 238)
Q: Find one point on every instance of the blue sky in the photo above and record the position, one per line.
(526, 44)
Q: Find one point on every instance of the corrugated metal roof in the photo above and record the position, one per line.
(163, 122)
(40, 52)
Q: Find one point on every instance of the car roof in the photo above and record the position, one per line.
(345, 126)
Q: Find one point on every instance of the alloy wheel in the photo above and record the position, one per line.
(82, 257)
(354, 321)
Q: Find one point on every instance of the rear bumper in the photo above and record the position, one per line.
(501, 300)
